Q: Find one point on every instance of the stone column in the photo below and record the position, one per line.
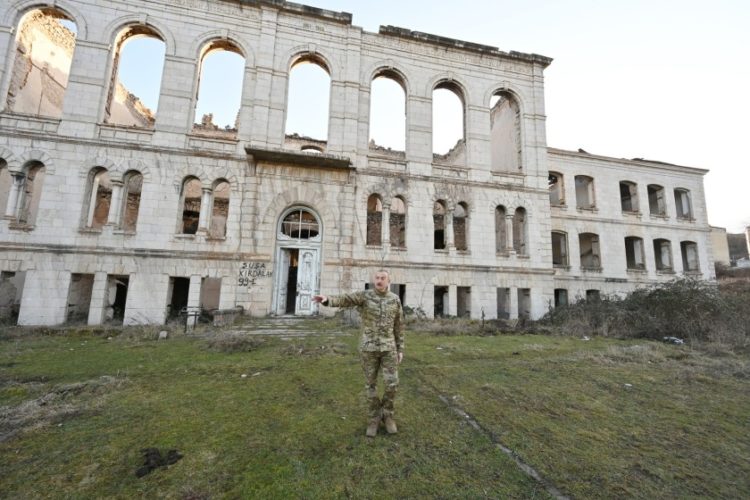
(513, 300)
(452, 301)
(99, 299)
(205, 210)
(509, 234)
(194, 300)
(386, 226)
(115, 204)
(14, 193)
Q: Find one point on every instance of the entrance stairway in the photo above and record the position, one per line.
(291, 327)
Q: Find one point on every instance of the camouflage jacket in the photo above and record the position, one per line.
(382, 318)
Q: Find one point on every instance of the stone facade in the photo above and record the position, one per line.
(294, 220)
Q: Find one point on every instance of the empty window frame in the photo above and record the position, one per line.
(463, 301)
(590, 252)
(116, 298)
(448, 122)
(505, 133)
(300, 224)
(6, 184)
(556, 188)
(520, 232)
(388, 112)
(683, 204)
(177, 296)
(79, 297)
(629, 197)
(559, 249)
(137, 65)
(663, 254)
(461, 227)
(634, 253)
(131, 198)
(524, 303)
(222, 71)
(501, 239)
(308, 100)
(561, 297)
(31, 193)
(593, 295)
(585, 198)
(45, 43)
(398, 222)
(374, 220)
(656, 201)
(503, 303)
(11, 291)
(217, 227)
(440, 301)
(99, 198)
(192, 191)
(438, 220)
(690, 262)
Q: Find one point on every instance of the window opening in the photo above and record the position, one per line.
(463, 301)
(79, 297)
(634, 253)
(556, 189)
(132, 186)
(387, 114)
(308, 102)
(501, 243)
(505, 133)
(219, 90)
(398, 223)
(689, 256)
(682, 204)
(461, 227)
(441, 301)
(561, 297)
(628, 196)
(191, 205)
(300, 224)
(656, 202)
(100, 198)
(585, 192)
(438, 220)
(519, 231)
(448, 123)
(663, 255)
(559, 249)
(503, 303)
(374, 220)
(220, 210)
(589, 246)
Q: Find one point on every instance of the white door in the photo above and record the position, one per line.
(307, 281)
(281, 281)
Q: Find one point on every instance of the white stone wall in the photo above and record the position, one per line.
(272, 38)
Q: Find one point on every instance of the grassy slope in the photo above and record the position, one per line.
(294, 426)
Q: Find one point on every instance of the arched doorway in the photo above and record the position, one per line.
(297, 269)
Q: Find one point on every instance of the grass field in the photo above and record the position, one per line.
(597, 419)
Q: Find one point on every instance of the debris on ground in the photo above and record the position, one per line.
(153, 459)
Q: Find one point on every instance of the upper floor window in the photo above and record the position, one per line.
(501, 239)
(31, 193)
(588, 244)
(191, 205)
(222, 71)
(131, 198)
(505, 133)
(629, 196)
(683, 204)
(461, 227)
(6, 184)
(585, 192)
(520, 232)
(656, 202)
(634, 253)
(448, 142)
(438, 219)
(217, 227)
(690, 262)
(398, 222)
(138, 62)
(374, 220)
(663, 254)
(99, 198)
(388, 112)
(45, 44)
(308, 101)
(559, 249)
(556, 189)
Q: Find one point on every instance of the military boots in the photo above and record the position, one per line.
(390, 425)
(372, 427)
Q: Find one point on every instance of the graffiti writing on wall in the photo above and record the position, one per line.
(251, 272)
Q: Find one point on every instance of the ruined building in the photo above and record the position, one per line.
(114, 210)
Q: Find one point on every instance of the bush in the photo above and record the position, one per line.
(233, 342)
(685, 308)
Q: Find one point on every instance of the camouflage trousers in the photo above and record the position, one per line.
(372, 363)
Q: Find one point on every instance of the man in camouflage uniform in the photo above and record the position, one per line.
(381, 346)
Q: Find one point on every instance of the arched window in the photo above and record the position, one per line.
(6, 183)
(656, 202)
(520, 232)
(629, 197)
(131, 198)
(559, 249)
(308, 101)
(138, 62)
(690, 262)
(448, 122)
(590, 252)
(634, 253)
(585, 198)
(99, 198)
(45, 43)
(556, 189)
(374, 220)
(683, 204)
(191, 205)
(398, 222)
(438, 220)
(501, 238)
(505, 133)
(217, 227)
(31, 193)
(663, 254)
(300, 224)
(461, 227)
(222, 71)
(388, 112)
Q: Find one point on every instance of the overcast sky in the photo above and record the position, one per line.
(660, 79)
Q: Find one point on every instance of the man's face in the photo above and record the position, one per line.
(381, 281)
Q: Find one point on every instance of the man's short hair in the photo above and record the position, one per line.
(386, 271)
